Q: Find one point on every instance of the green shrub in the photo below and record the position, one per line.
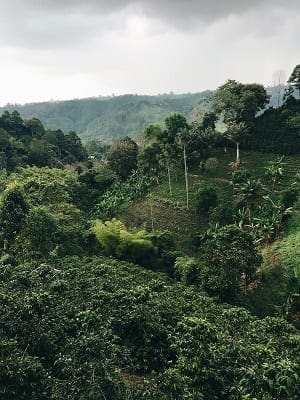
(230, 261)
(187, 270)
(98, 178)
(40, 233)
(22, 376)
(240, 176)
(222, 214)
(163, 241)
(13, 210)
(206, 197)
(116, 241)
(211, 164)
(289, 197)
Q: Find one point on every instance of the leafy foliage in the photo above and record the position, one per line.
(13, 210)
(121, 194)
(187, 270)
(205, 198)
(132, 321)
(74, 325)
(116, 241)
(122, 157)
(27, 142)
(231, 260)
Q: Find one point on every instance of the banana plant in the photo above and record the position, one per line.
(274, 170)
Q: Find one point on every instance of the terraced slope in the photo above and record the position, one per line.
(169, 212)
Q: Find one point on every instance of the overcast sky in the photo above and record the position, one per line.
(63, 49)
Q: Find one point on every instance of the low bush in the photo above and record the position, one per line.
(206, 197)
(115, 240)
(186, 269)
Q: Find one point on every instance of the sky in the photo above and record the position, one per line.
(65, 49)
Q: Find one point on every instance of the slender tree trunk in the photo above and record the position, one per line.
(186, 178)
(169, 177)
(151, 212)
(238, 153)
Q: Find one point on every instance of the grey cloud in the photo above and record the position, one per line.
(202, 9)
(62, 23)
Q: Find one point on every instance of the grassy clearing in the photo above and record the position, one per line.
(255, 162)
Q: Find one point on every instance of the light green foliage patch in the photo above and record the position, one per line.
(115, 240)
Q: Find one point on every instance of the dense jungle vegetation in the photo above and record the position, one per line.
(166, 269)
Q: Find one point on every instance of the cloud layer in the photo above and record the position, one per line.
(75, 48)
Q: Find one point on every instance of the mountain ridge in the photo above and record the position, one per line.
(107, 118)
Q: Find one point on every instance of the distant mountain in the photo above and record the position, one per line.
(107, 118)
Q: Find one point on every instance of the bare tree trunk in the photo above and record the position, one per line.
(151, 212)
(278, 81)
(186, 178)
(238, 153)
(169, 177)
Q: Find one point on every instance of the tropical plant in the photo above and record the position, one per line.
(274, 170)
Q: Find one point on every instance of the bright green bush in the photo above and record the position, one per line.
(116, 241)
(235, 362)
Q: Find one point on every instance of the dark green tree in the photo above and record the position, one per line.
(42, 154)
(13, 210)
(238, 104)
(175, 123)
(231, 259)
(294, 79)
(122, 157)
(206, 197)
(5, 140)
(75, 148)
(35, 127)
(209, 120)
(40, 233)
(148, 160)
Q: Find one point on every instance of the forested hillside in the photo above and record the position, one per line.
(109, 118)
(112, 117)
(161, 270)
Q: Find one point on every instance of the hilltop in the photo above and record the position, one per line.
(108, 118)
